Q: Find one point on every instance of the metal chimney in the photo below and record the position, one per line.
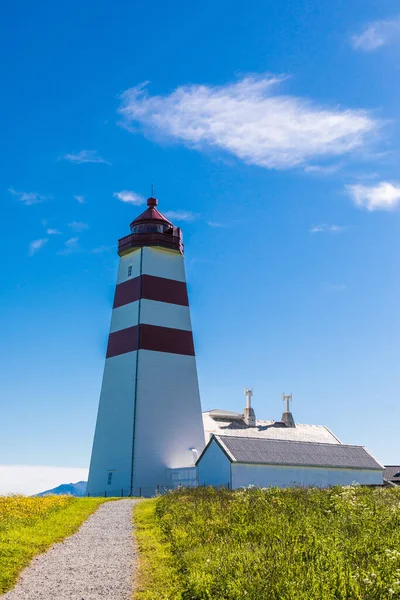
(249, 416)
(287, 416)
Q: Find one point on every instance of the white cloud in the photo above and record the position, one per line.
(53, 232)
(250, 120)
(86, 156)
(130, 197)
(72, 242)
(32, 479)
(377, 34)
(214, 224)
(326, 229)
(181, 215)
(28, 198)
(36, 245)
(382, 196)
(70, 246)
(322, 169)
(78, 226)
(102, 249)
(80, 199)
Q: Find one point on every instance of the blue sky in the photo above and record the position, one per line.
(271, 133)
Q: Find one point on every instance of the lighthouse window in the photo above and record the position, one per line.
(149, 228)
(109, 478)
(130, 271)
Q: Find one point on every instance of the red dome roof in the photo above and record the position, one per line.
(151, 228)
(151, 214)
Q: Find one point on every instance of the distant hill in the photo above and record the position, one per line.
(74, 489)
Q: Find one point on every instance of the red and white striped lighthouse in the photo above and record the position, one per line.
(149, 417)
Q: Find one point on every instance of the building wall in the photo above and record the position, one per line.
(214, 467)
(161, 262)
(152, 313)
(168, 417)
(182, 477)
(163, 398)
(112, 444)
(158, 262)
(244, 475)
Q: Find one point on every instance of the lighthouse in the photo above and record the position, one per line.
(149, 418)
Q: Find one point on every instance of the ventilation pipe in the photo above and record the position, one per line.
(249, 416)
(287, 416)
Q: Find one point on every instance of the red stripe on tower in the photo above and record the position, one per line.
(123, 341)
(150, 287)
(150, 337)
(164, 290)
(127, 292)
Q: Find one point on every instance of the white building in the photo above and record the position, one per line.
(243, 451)
(149, 417)
(241, 461)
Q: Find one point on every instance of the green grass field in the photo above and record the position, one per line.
(298, 544)
(29, 526)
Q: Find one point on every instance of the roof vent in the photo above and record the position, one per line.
(287, 416)
(249, 416)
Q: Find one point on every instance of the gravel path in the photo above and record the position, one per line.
(96, 563)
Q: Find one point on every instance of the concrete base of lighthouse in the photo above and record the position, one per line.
(167, 426)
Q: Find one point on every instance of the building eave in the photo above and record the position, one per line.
(213, 437)
(283, 465)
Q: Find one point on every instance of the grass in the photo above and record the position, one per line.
(156, 575)
(297, 544)
(29, 526)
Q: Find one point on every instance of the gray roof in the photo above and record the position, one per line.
(391, 471)
(283, 452)
(221, 422)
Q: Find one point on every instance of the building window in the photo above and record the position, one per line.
(130, 271)
(109, 478)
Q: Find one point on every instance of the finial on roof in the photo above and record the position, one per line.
(152, 202)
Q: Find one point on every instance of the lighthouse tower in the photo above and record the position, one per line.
(149, 417)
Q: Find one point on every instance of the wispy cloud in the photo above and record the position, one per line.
(80, 199)
(250, 120)
(322, 169)
(37, 245)
(71, 245)
(382, 196)
(326, 229)
(72, 242)
(28, 198)
(53, 232)
(377, 34)
(130, 197)
(86, 156)
(181, 215)
(78, 226)
(102, 249)
(214, 224)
